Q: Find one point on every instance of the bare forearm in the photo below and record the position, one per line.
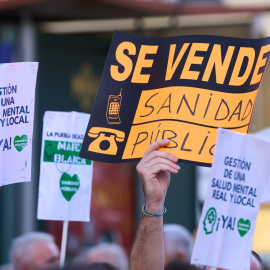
(148, 249)
(154, 171)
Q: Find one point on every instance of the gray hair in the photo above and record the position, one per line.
(22, 246)
(7, 266)
(110, 253)
(177, 240)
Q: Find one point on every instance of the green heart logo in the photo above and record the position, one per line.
(20, 142)
(69, 185)
(243, 226)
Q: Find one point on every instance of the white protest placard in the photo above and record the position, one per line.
(265, 135)
(239, 173)
(65, 178)
(17, 97)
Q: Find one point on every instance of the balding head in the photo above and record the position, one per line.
(34, 251)
(256, 262)
(105, 253)
(178, 242)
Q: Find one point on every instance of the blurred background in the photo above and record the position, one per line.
(70, 40)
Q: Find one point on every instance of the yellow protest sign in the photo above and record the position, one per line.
(178, 88)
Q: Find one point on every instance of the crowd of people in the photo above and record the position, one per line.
(156, 246)
(38, 250)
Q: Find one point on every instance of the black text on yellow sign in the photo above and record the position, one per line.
(189, 117)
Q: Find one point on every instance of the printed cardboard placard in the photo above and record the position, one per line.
(17, 96)
(65, 181)
(182, 88)
(239, 174)
(265, 135)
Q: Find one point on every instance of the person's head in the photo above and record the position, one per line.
(180, 265)
(255, 262)
(104, 253)
(93, 266)
(6, 267)
(34, 251)
(178, 242)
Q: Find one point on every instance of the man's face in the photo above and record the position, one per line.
(45, 254)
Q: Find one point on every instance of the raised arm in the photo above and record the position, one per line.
(154, 171)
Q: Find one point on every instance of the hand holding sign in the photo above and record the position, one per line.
(154, 171)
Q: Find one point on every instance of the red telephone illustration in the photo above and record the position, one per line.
(105, 144)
